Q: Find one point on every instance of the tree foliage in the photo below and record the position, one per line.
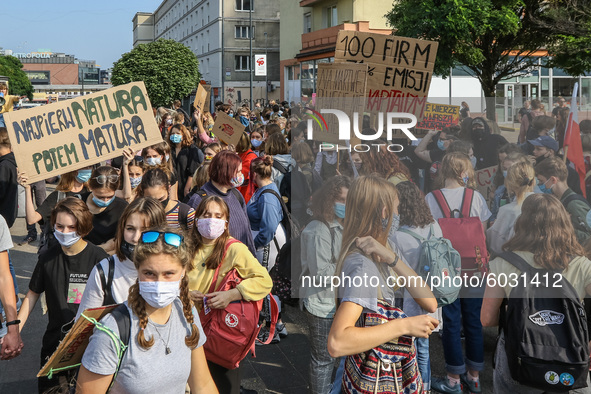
(18, 82)
(169, 70)
(494, 39)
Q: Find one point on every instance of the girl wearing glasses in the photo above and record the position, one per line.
(62, 273)
(155, 184)
(165, 349)
(140, 215)
(106, 208)
(212, 235)
(185, 157)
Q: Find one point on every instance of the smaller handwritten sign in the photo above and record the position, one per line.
(484, 182)
(227, 129)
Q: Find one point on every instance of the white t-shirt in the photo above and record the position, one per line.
(454, 199)
(410, 252)
(503, 228)
(124, 277)
(5, 238)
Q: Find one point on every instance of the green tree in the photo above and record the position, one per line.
(169, 70)
(494, 39)
(18, 82)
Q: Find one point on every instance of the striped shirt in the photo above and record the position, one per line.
(172, 217)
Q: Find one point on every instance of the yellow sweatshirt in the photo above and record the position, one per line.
(9, 105)
(256, 283)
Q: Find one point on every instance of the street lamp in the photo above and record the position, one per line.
(267, 70)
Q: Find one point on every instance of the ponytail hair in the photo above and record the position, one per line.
(263, 166)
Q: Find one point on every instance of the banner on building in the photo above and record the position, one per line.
(227, 129)
(260, 65)
(68, 135)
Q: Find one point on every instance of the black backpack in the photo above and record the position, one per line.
(546, 337)
(284, 271)
(107, 281)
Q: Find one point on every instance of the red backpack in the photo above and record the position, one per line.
(231, 332)
(465, 233)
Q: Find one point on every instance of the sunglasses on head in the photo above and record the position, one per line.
(138, 159)
(102, 179)
(171, 239)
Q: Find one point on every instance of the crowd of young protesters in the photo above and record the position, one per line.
(166, 224)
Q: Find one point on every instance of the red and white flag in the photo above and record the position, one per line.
(572, 140)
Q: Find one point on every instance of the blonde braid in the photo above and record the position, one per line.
(138, 306)
(191, 340)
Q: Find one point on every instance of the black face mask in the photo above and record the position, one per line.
(165, 203)
(478, 134)
(127, 249)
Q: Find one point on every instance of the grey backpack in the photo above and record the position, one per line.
(439, 264)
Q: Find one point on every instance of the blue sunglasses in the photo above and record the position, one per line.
(171, 239)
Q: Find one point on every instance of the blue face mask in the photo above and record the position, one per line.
(505, 174)
(244, 120)
(135, 182)
(339, 210)
(465, 179)
(101, 203)
(441, 144)
(176, 138)
(395, 224)
(256, 143)
(544, 189)
(83, 175)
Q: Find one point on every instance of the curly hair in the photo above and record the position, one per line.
(412, 208)
(384, 163)
(322, 205)
(544, 228)
(184, 256)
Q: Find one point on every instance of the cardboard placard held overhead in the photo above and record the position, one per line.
(439, 116)
(341, 87)
(72, 347)
(201, 99)
(484, 182)
(227, 129)
(400, 69)
(68, 135)
(207, 98)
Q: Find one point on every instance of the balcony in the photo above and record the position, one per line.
(324, 40)
(309, 3)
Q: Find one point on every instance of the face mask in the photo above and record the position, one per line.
(169, 122)
(237, 180)
(244, 120)
(167, 157)
(160, 294)
(83, 175)
(127, 249)
(135, 181)
(154, 161)
(339, 210)
(208, 158)
(211, 228)
(176, 138)
(441, 144)
(478, 134)
(465, 179)
(101, 203)
(165, 202)
(66, 239)
(395, 224)
(544, 189)
(473, 161)
(256, 143)
(505, 174)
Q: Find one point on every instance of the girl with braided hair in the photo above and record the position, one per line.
(166, 335)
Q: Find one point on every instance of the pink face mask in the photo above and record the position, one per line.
(211, 228)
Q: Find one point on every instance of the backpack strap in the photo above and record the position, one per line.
(286, 221)
(217, 270)
(121, 315)
(413, 234)
(574, 197)
(279, 167)
(442, 202)
(184, 215)
(274, 317)
(467, 202)
(516, 261)
(107, 281)
(238, 196)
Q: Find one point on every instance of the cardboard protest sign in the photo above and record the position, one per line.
(227, 129)
(341, 87)
(72, 134)
(72, 347)
(484, 182)
(400, 69)
(207, 98)
(200, 99)
(439, 116)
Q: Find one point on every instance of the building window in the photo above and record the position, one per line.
(332, 16)
(242, 32)
(307, 22)
(242, 63)
(244, 5)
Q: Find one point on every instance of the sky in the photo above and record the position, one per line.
(89, 30)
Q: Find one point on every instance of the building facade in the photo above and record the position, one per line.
(309, 37)
(218, 32)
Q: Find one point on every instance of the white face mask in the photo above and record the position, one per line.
(66, 239)
(160, 294)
